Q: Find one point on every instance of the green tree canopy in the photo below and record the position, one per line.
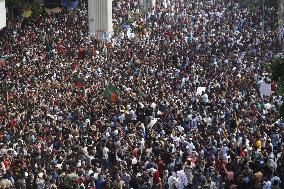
(277, 68)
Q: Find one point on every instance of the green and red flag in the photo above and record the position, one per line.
(140, 92)
(79, 83)
(111, 93)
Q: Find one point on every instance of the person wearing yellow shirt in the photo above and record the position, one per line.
(258, 144)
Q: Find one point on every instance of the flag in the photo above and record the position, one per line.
(74, 66)
(14, 122)
(79, 84)
(27, 13)
(3, 60)
(140, 92)
(111, 93)
(2, 63)
(9, 95)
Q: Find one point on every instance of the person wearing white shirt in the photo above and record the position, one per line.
(211, 184)
(266, 184)
(172, 181)
(182, 179)
(133, 115)
(205, 98)
(275, 179)
(190, 146)
(105, 157)
(224, 151)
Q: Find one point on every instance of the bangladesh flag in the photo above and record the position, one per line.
(14, 122)
(80, 84)
(140, 92)
(111, 93)
(3, 59)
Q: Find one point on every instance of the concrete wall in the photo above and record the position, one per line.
(2, 14)
(100, 18)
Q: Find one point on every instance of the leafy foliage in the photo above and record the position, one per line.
(255, 4)
(277, 67)
(26, 4)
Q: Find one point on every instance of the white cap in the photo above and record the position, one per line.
(134, 161)
(40, 175)
(152, 169)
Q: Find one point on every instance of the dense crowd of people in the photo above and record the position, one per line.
(188, 112)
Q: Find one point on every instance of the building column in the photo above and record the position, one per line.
(148, 4)
(100, 18)
(2, 14)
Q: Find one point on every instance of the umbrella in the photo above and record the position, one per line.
(71, 5)
(125, 26)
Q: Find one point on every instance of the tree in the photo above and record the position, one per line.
(255, 5)
(277, 68)
(52, 3)
(20, 5)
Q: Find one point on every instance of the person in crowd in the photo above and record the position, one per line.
(184, 103)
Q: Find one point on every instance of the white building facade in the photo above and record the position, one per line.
(2, 14)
